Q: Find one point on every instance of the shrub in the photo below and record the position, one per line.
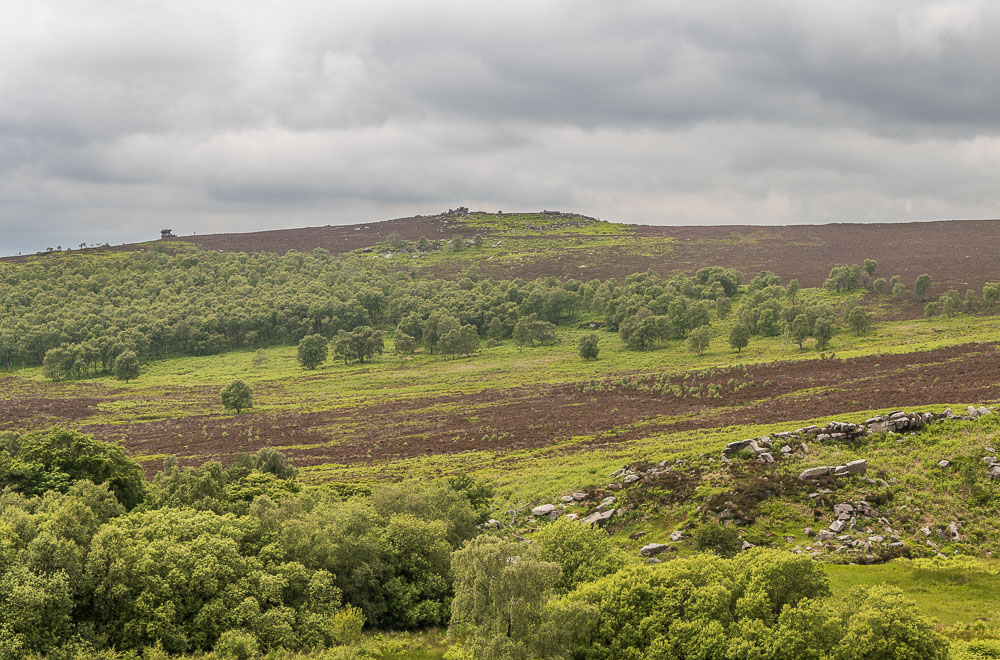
(313, 350)
(712, 537)
(237, 396)
(588, 346)
(238, 645)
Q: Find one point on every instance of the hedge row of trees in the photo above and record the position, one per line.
(244, 560)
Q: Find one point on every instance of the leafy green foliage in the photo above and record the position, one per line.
(739, 337)
(54, 460)
(584, 553)
(723, 541)
(859, 320)
(588, 346)
(824, 333)
(237, 396)
(359, 345)
(698, 340)
(404, 344)
(531, 330)
(500, 588)
(127, 366)
(312, 351)
(922, 286)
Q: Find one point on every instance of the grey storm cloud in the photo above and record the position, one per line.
(120, 117)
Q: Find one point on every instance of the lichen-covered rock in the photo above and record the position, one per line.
(653, 549)
(813, 473)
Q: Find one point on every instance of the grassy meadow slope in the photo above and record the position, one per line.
(541, 423)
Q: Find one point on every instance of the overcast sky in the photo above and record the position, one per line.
(122, 117)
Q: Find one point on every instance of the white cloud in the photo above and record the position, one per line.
(119, 117)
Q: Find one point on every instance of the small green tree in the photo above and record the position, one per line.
(883, 623)
(922, 286)
(971, 303)
(932, 309)
(698, 339)
(260, 358)
(463, 340)
(361, 344)
(898, 290)
(313, 350)
(869, 267)
(54, 363)
(880, 286)
(859, 320)
(739, 337)
(991, 293)
(948, 305)
(237, 396)
(423, 244)
(500, 588)
(823, 333)
(799, 329)
(405, 344)
(792, 290)
(127, 366)
(588, 346)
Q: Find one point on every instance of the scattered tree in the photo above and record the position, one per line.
(792, 290)
(948, 305)
(869, 267)
(463, 340)
(739, 337)
(127, 366)
(54, 366)
(823, 333)
(404, 344)
(698, 340)
(588, 346)
(313, 351)
(922, 286)
(530, 330)
(724, 541)
(800, 329)
(880, 286)
(991, 293)
(898, 290)
(971, 303)
(360, 345)
(237, 396)
(859, 320)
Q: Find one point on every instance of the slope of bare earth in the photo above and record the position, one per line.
(506, 419)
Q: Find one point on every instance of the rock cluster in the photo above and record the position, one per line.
(856, 528)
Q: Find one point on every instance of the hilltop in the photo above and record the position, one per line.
(959, 253)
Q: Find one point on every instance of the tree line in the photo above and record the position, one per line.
(85, 315)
